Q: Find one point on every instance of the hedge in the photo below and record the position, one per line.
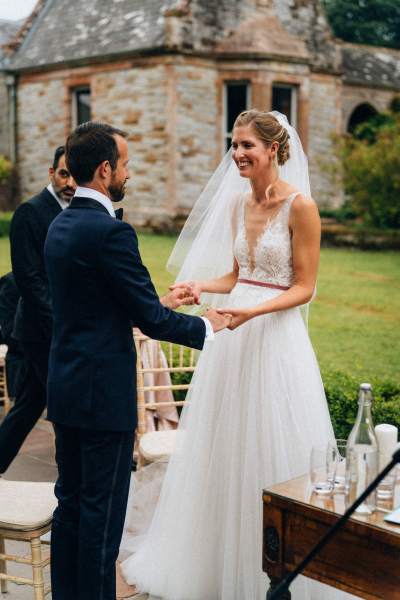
(342, 392)
(5, 221)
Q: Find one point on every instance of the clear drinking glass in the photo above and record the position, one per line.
(323, 462)
(340, 478)
(385, 490)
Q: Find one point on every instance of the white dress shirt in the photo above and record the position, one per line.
(86, 192)
(61, 202)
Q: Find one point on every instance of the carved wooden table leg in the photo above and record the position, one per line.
(273, 585)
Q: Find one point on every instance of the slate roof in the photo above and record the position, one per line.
(371, 65)
(7, 30)
(66, 30)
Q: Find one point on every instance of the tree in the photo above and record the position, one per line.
(375, 22)
(371, 174)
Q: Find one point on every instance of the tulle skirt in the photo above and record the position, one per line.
(256, 408)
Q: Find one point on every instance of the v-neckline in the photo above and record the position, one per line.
(264, 229)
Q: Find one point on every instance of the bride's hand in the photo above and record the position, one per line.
(181, 295)
(194, 287)
(239, 316)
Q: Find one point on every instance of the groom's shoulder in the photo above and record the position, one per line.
(118, 231)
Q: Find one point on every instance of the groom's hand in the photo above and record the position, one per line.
(180, 296)
(218, 321)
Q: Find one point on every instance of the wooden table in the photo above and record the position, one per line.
(363, 558)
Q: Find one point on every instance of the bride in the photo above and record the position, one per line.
(256, 405)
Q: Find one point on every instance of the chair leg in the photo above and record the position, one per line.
(37, 568)
(3, 567)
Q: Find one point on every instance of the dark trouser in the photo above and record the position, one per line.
(15, 369)
(92, 489)
(29, 404)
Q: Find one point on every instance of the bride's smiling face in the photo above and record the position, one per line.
(250, 154)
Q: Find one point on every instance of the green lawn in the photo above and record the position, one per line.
(354, 320)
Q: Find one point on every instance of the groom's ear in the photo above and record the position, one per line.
(104, 169)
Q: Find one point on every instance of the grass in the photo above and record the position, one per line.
(354, 320)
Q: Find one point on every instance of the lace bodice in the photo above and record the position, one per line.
(272, 254)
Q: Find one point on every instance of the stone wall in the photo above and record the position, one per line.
(171, 108)
(324, 121)
(354, 95)
(197, 131)
(41, 128)
(4, 125)
(135, 100)
(169, 112)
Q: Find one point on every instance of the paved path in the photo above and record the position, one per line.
(35, 462)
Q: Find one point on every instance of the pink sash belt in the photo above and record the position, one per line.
(263, 284)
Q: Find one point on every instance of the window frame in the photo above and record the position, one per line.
(227, 135)
(294, 100)
(74, 97)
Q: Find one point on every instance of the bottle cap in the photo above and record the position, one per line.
(366, 387)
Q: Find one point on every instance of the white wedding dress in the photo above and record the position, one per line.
(256, 407)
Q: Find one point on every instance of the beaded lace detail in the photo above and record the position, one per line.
(272, 252)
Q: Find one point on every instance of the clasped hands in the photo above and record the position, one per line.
(187, 293)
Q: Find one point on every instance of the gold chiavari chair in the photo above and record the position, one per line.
(158, 445)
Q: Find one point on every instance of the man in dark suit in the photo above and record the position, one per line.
(15, 363)
(33, 320)
(100, 289)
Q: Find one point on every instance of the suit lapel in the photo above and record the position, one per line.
(52, 204)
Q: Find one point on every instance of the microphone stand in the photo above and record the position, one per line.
(283, 587)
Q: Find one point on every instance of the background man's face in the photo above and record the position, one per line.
(62, 181)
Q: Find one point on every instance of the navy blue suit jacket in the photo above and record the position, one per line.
(99, 288)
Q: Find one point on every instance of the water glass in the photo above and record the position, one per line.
(341, 464)
(385, 490)
(323, 463)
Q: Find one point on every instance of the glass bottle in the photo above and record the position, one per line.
(362, 454)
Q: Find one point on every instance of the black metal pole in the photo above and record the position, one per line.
(283, 587)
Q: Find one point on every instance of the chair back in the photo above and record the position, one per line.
(165, 358)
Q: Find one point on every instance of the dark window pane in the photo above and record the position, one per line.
(82, 106)
(282, 100)
(236, 101)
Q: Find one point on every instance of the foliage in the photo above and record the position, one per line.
(5, 221)
(369, 130)
(371, 172)
(5, 169)
(342, 391)
(375, 22)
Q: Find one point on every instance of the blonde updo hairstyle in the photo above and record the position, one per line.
(268, 129)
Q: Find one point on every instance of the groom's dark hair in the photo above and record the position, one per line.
(88, 146)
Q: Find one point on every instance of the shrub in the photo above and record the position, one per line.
(5, 221)
(342, 393)
(5, 169)
(371, 173)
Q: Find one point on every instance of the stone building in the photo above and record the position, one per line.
(174, 74)
(8, 29)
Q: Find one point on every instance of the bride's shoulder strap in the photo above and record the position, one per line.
(237, 210)
(292, 196)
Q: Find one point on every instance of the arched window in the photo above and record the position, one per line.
(362, 112)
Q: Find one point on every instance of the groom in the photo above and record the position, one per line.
(99, 289)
